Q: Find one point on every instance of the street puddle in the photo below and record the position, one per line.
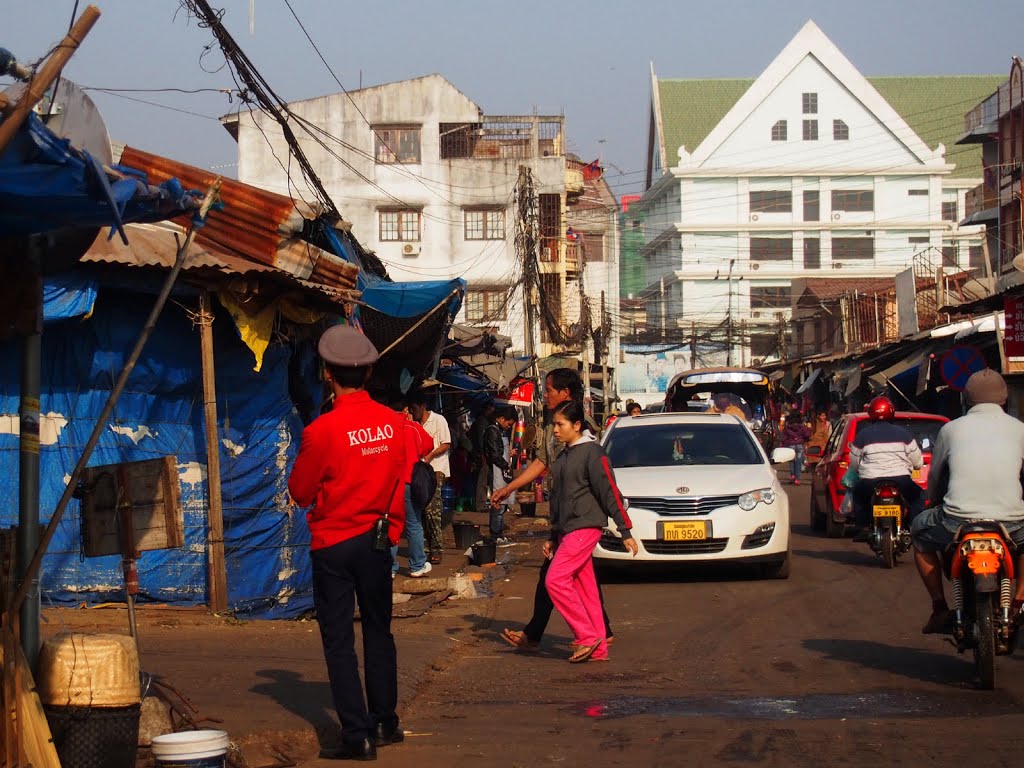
(815, 706)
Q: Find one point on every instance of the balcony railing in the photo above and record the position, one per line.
(985, 113)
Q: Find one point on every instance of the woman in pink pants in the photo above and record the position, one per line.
(583, 497)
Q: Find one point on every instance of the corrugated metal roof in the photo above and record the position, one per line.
(255, 225)
(156, 245)
(833, 287)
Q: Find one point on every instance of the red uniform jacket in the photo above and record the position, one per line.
(418, 442)
(351, 465)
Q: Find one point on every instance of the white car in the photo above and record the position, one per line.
(700, 488)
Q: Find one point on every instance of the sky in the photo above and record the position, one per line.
(588, 60)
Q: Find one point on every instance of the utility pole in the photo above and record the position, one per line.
(743, 344)
(783, 347)
(728, 320)
(526, 251)
(693, 346)
(605, 327)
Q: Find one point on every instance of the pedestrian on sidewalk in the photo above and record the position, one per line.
(795, 435)
(497, 460)
(476, 436)
(350, 469)
(439, 431)
(418, 492)
(560, 385)
(583, 496)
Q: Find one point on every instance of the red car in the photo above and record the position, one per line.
(826, 488)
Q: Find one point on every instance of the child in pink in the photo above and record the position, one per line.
(583, 496)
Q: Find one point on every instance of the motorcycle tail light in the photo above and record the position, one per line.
(887, 492)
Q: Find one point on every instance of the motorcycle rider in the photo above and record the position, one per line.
(976, 473)
(883, 452)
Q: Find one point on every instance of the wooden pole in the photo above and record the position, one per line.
(47, 75)
(217, 579)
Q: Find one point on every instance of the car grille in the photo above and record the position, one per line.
(698, 547)
(683, 505)
(611, 543)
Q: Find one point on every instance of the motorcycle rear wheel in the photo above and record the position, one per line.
(985, 641)
(887, 548)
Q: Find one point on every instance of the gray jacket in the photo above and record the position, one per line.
(584, 493)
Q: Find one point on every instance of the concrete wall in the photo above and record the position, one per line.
(440, 189)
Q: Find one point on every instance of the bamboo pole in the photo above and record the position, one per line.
(217, 579)
(47, 75)
(115, 393)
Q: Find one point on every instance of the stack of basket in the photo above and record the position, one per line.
(89, 687)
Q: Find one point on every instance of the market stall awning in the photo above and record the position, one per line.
(911, 361)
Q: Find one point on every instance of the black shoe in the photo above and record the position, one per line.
(383, 736)
(361, 750)
(862, 534)
(941, 622)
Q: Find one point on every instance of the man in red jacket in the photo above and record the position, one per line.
(351, 468)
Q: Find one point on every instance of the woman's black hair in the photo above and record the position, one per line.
(571, 410)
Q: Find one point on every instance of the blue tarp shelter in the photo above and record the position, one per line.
(90, 326)
(46, 184)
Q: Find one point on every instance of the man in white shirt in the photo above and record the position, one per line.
(975, 474)
(437, 427)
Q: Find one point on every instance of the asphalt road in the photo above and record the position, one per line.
(721, 668)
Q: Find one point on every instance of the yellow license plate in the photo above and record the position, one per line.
(690, 530)
(916, 475)
(886, 510)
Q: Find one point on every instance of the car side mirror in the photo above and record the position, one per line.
(814, 450)
(782, 455)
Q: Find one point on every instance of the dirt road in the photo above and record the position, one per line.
(827, 668)
(709, 668)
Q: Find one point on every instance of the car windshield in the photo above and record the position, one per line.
(924, 431)
(670, 445)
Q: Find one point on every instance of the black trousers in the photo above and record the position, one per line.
(864, 489)
(348, 571)
(542, 608)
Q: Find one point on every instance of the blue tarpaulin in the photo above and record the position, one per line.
(46, 184)
(161, 413)
(413, 299)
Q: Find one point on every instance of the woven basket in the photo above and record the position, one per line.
(88, 671)
(95, 737)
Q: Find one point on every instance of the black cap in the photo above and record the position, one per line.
(344, 346)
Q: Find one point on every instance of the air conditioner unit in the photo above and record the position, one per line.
(836, 216)
(754, 217)
(755, 314)
(411, 249)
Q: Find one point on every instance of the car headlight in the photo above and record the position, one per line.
(750, 500)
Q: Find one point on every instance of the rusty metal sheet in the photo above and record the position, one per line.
(255, 225)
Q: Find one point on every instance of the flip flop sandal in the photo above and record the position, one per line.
(518, 640)
(584, 652)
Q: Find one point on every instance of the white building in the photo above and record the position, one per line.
(811, 170)
(427, 181)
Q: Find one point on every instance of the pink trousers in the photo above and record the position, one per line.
(573, 588)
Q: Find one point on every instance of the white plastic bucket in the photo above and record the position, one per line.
(191, 749)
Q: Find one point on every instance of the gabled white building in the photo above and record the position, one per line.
(811, 170)
(427, 181)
